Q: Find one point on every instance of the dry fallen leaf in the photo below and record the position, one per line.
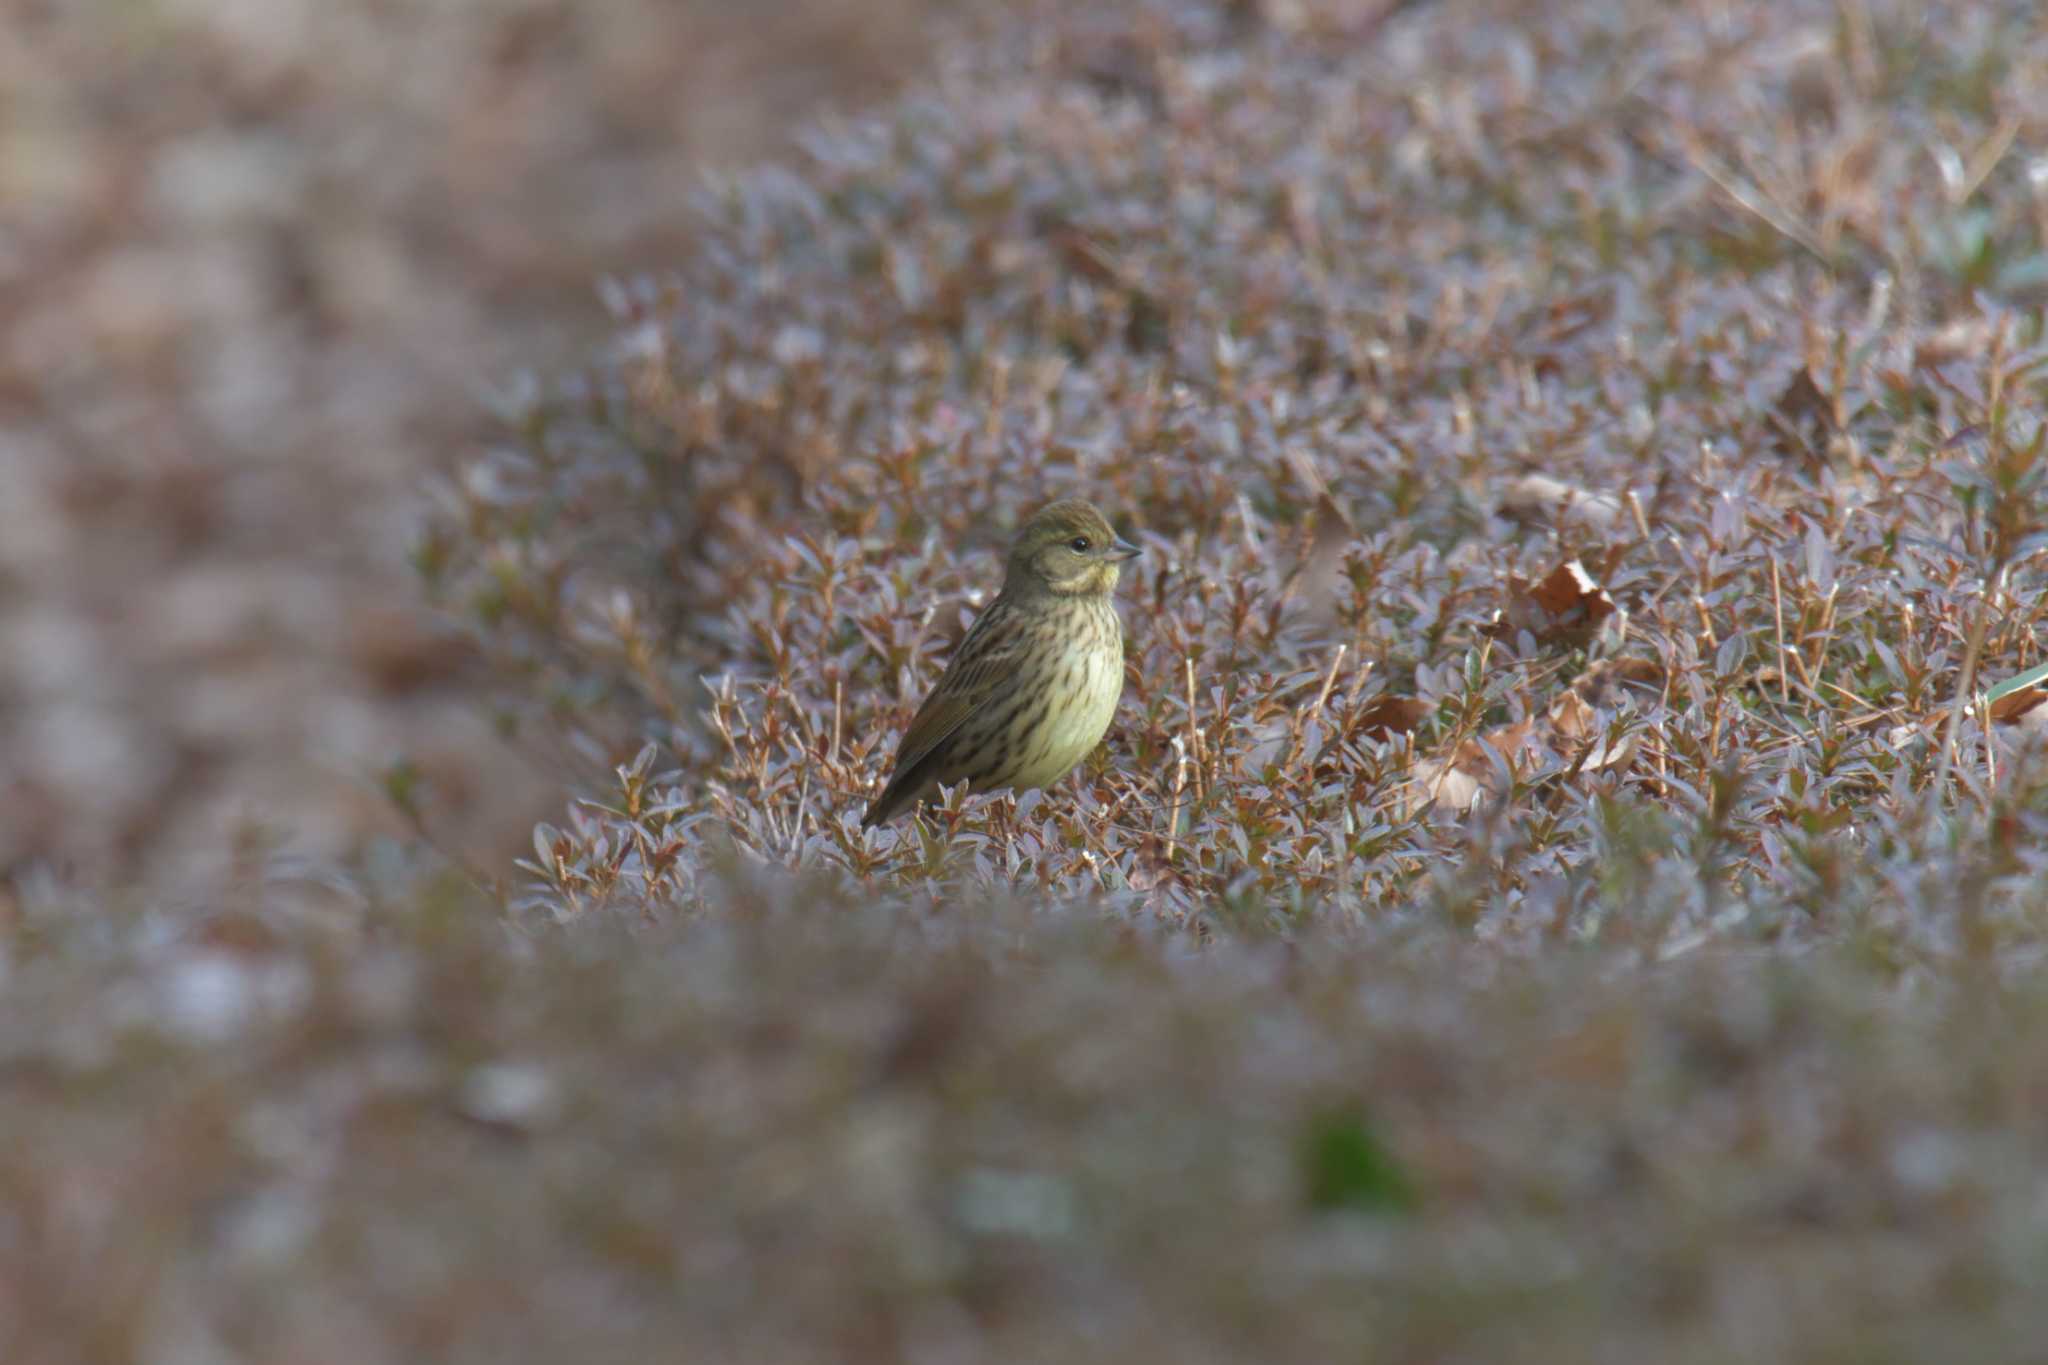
(1566, 605)
(1457, 783)
(2015, 703)
(1605, 682)
(1578, 732)
(1539, 500)
(1573, 730)
(1961, 339)
(2021, 706)
(1386, 715)
(1803, 417)
(1315, 583)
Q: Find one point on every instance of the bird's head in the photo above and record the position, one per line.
(1067, 549)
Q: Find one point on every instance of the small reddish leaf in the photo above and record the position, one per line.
(1388, 715)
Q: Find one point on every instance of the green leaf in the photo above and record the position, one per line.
(1346, 1166)
(2030, 678)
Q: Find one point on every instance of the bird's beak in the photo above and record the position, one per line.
(1121, 549)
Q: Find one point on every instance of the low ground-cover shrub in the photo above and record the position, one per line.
(1559, 432)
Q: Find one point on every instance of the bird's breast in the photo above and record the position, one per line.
(1083, 689)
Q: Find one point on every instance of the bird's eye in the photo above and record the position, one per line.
(1079, 545)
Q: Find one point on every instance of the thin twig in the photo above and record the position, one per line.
(1784, 664)
(1330, 681)
(1965, 685)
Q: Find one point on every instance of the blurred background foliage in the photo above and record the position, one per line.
(261, 264)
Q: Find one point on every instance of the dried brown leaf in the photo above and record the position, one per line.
(1388, 715)
(1538, 500)
(1572, 729)
(1962, 339)
(1566, 605)
(1315, 585)
(1803, 418)
(2020, 707)
(1605, 682)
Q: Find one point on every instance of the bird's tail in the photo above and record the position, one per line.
(887, 806)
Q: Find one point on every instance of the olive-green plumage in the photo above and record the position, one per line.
(1034, 684)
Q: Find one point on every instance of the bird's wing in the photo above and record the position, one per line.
(989, 653)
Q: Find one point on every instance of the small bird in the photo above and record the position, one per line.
(1035, 682)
